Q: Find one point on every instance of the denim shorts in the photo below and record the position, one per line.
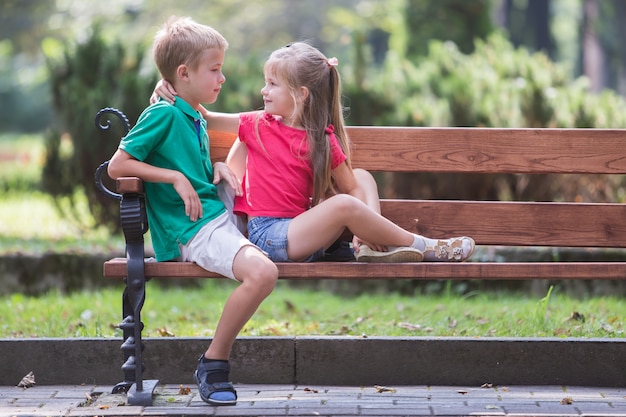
(270, 234)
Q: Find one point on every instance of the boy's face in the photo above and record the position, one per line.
(205, 82)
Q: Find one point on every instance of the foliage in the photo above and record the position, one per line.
(91, 75)
(458, 21)
(292, 311)
(20, 170)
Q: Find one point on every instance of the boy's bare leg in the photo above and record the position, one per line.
(258, 276)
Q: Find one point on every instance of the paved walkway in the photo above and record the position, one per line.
(289, 400)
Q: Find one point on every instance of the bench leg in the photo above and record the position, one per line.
(139, 392)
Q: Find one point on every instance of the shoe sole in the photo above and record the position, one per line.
(208, 400)
(398, 256)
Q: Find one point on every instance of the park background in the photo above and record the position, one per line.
(487, 63)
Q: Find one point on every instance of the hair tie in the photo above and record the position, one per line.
(332, 62)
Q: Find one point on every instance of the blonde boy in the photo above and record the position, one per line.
(169, 149)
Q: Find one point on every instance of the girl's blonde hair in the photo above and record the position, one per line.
(182, 41)
(301, 65)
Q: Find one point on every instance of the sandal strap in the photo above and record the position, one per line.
(221, 387)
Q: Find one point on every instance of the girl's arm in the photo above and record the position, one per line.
(122, 164)
(236, 159)
(225, 122)
(347, 183)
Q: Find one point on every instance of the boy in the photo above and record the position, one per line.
(169, 149)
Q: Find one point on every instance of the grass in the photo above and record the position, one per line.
(291, 311)
(30, 223)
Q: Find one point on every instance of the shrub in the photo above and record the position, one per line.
(90, 76)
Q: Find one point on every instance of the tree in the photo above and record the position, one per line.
(23, 23)
(530, 25)
(91, 75)
(459, 21)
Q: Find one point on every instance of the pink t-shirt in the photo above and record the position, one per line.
(278, 181)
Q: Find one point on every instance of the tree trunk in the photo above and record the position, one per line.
(592, 53)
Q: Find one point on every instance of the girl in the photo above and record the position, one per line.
(299, 191)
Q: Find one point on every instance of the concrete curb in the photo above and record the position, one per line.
(331, 361)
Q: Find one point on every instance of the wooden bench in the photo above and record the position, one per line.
(439, 150)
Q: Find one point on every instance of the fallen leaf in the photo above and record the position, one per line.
(567, 401)
(577, 316)
(380, 389)
(28, 381)
(409, 326)
(290, 306)
(462, 392)
(183, 390)
(163, 331)
(88, 399)
(104, 407)
(314, 391)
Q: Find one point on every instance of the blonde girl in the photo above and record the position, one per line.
(299, 190)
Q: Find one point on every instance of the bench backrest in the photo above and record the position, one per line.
(494, 151)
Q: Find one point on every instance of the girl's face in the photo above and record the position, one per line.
(278, 100)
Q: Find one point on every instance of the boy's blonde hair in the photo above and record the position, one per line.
(182, 41)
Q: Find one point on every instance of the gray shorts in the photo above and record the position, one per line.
(215, 246)
(270, 234)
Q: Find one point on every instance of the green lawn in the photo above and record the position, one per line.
(30, 223)
(300, 311)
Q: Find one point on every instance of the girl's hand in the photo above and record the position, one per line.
(357, 242)
(221, 172)
(165, 90)
(193, 206)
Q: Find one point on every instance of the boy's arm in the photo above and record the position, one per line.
(122, 164)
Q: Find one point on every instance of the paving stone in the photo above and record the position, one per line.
(290, 400)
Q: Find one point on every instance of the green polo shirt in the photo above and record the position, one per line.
(174, 137)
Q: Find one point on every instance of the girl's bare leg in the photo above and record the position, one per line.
(323, 224)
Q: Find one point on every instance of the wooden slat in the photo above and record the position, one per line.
(600, 225)
(131, 185)
(514, 223)
(479, 150)
(116, 268)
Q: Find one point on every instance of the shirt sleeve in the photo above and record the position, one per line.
(247, 121)
(336, 153)
(147, 133)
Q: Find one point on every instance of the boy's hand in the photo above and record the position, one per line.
(165, 90)
(221, 172)
(193, 206)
